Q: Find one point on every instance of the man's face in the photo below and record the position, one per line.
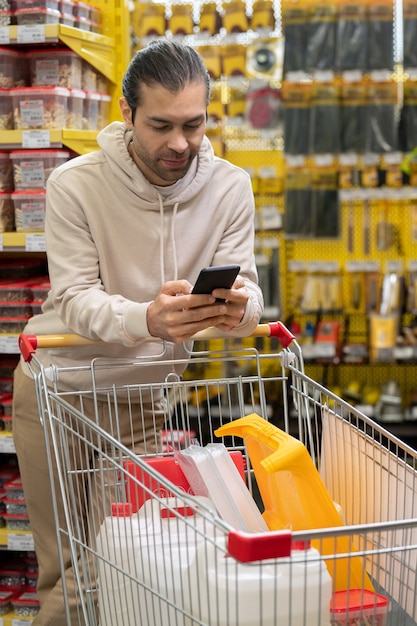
(167, 131)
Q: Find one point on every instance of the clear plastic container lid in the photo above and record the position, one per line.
(52, 53)
(7, 53)
(66, 6)
(82, 9)
(37, 16)
(18, 155)
(39, 91)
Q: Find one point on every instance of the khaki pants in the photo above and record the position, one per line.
(29, 438)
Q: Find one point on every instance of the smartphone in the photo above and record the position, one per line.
(216, 277)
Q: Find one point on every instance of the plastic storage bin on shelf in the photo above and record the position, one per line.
(75, 109)
(39, 107)
(29, 210)
(26, 605)
(6, 172)
(32, 168)
(26, 17)
(6, 408)
(37, 4)
(13, 325)
(56, 67)
(6, 18)
(20, 271)
(6, 212)
(15, 291)
(82, 9)
(91, 110)
(104, 110)
(89, 77)
(66, 7)
(15, 309)
(83, 23)
(6, 110)
(7, 67)
(6, 601)
(67, 19)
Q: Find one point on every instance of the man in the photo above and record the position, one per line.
(128, 229)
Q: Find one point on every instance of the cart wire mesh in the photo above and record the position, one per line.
(137, 546)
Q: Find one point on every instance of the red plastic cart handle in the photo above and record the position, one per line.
(28, 344)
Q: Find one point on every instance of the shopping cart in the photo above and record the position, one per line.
(154, 549)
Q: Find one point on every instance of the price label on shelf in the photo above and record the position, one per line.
(7, 445)
(35, 243)
(31, 33)
(20, 541)
(9, 344)
(36, 139)
(4, 35)
(1, 250)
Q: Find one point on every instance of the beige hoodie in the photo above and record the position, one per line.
(112, 241)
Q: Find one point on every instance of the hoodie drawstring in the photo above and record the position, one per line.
(172, 239)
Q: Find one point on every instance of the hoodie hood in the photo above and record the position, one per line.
(114, 141)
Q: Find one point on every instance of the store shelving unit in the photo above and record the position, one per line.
(109, 53)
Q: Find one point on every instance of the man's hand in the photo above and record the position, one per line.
(177, 315)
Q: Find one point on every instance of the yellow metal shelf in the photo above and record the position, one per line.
(99, 50)
(81, 141)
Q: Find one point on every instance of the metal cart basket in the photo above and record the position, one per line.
(150, 535)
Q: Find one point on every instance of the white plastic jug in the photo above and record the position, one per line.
(155, 569)
(140, 564)
(293, 591)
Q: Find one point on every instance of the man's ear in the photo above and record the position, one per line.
(126, 112)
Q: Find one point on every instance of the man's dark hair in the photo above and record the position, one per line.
(168, 63)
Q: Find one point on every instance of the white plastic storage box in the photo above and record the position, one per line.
(102, 84)
(6, 17)
(32, 168)
(104, 110)
(6, 110)
(91, 110)
(19, 269)
(7, 67)
(83, 23)
(58, 67)
(82, 9)
(66, 7)
(6, 212)
(15, 291)
(89, 77)
(36, 4)
(29, 210)
(39, 107)
(40, 290)
(21, 78)
(67, 19)
(26, 605)
(6, 173)
(75, 110)
(26, 17)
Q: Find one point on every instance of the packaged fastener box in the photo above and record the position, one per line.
(32, 168)
(39, 107)
(56, 67)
